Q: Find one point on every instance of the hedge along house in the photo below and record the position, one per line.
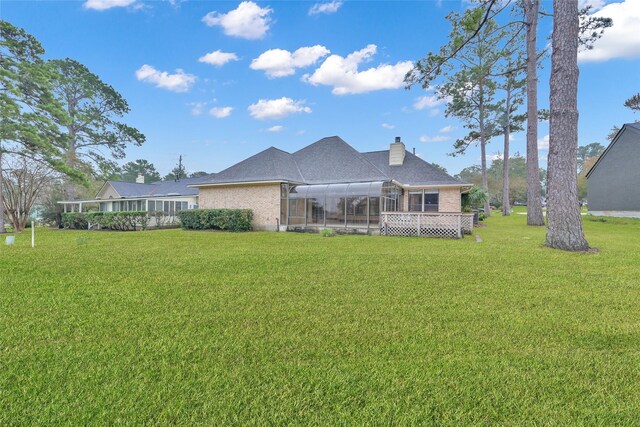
(164, 198)
(613, 183)
(330, 184)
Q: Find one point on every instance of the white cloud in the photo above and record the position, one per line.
(388, 126)
(106, 4)
(274, 109)
(438, 138)
(495, 156)
(281, 63)
(178, 82)
(276, 129)
(220, 112)
(447, 129)
(247, 21)
(543, 143)
(331, 7)
(621, 40)
(197, 108)
(343, 75)
(428, 101)
(218, 58)
(594, 4)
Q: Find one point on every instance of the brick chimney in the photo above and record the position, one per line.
(140, 179)
(396, 153)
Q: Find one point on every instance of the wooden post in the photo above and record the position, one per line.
(419, 216)
(459, 225)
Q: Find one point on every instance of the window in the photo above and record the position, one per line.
(423, 201)
(357, 210)
(339, 205)
(431, 201)
(415, 201)
(296, 211)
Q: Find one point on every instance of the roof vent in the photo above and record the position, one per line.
(396, 153)
(140, 179)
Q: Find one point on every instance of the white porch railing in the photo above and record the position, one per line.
(431, 224)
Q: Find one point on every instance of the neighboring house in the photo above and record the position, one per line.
(613, 183)
(168, 197)
(330, 184)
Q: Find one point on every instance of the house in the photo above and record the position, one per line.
(613, 183)
(168, 197)
(330, 184)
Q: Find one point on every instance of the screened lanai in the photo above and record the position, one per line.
(338, 205)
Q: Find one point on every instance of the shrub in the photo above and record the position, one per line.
(216, 219)
(328, 232)
(119, 221)
(75, 220)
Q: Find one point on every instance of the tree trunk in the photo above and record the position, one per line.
(534, 190)
(483, 150)
(2, 230)
(564, 224)
(506, 206)
(69, 186)
(485, 179)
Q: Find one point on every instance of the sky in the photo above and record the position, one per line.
(219, 81)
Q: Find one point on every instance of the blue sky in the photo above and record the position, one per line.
(257, 87)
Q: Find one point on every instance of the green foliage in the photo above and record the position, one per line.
(216, 219)
(131, 170)
(177, 173)
(198, 174)
(582, 176)
(591, 27)
(633, 103)
(28, 107)
(328, 232)
(474, 199)
(517, 179)
(117, 221)
(93, 134)
(188, 328)
(586, 151)
(75, 220)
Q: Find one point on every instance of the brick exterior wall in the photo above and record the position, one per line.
(449, 200)
(263, 200)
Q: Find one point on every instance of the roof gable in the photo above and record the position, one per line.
(331, 160)
(631, 127)
(271, 164)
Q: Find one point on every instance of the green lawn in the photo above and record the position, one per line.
(175, 327)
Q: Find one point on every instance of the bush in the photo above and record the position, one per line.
(119, 221)
(328, 232)
(216, 219)
(74, 220)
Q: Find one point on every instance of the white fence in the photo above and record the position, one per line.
(430, 224)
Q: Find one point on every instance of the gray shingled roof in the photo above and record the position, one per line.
(159, 188)
(414, 170)
(271, 164)
(636, 125)
(331, 160)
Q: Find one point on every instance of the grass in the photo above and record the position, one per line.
(174, 327)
